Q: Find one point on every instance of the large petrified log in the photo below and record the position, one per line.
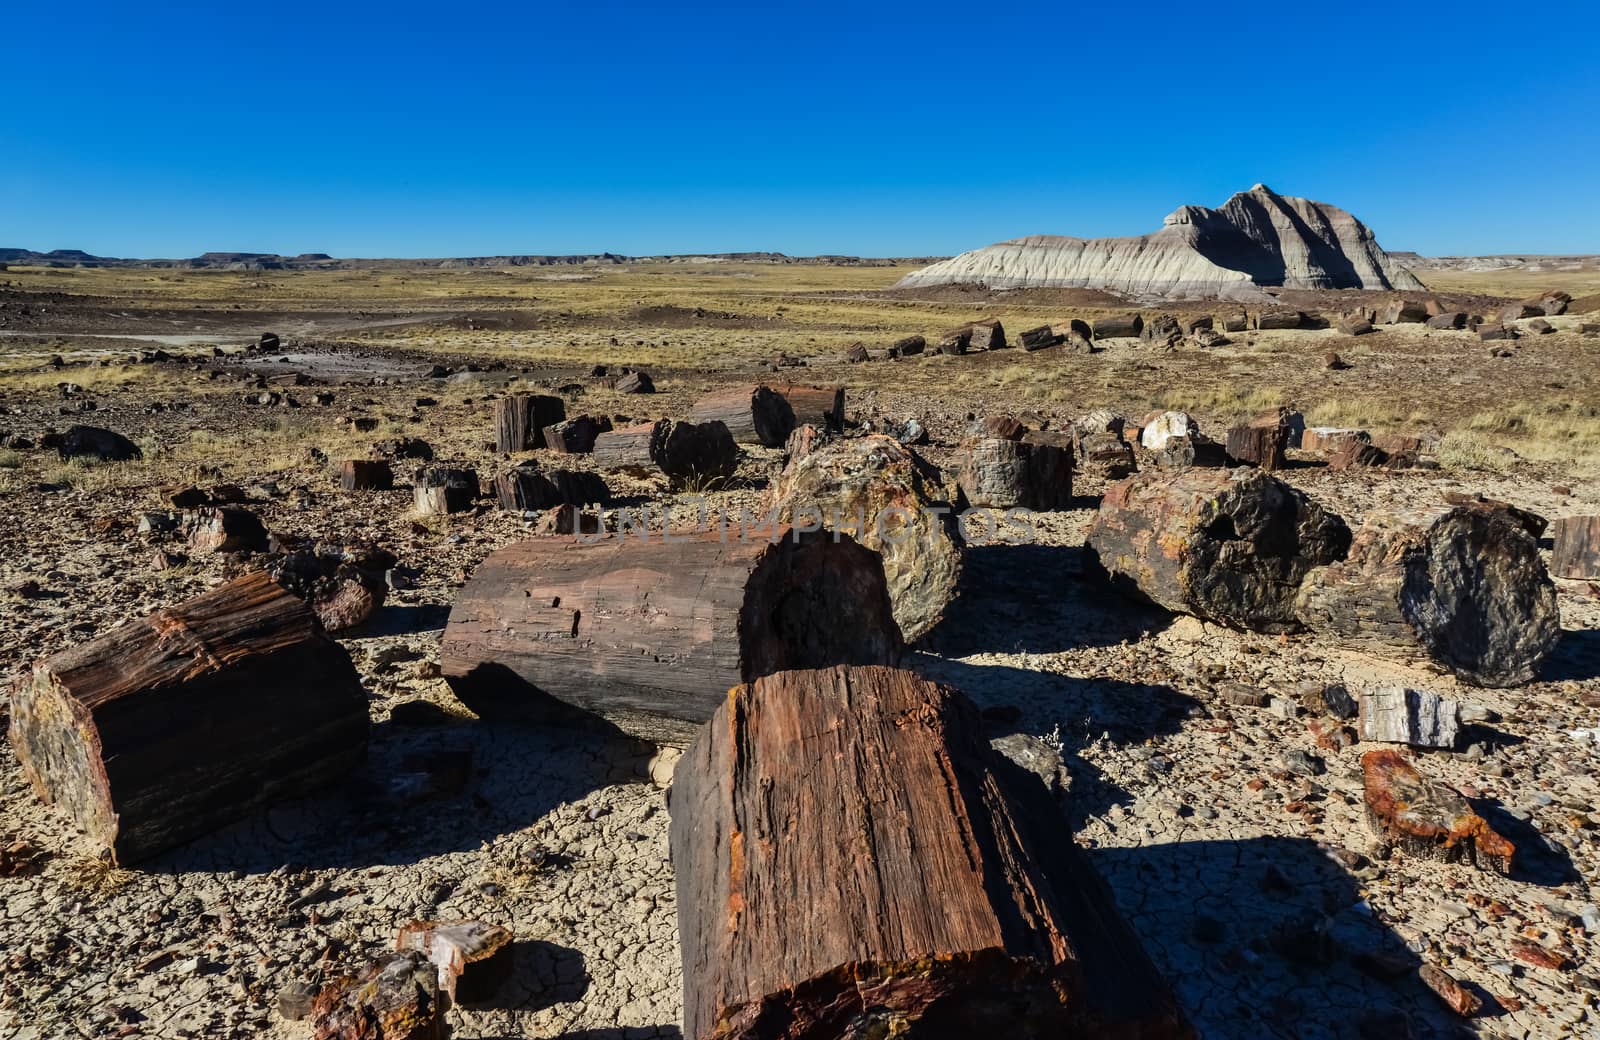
(529, 486)
(684, 451)
(519, 420)
(172, 725)
(1428, 819)
(1461, 584)
(1258, 443)
(1230, 547)
(884, 495)
(1002, 473)
(854, 860)
(1577, 547)
(575, 436)
(650, 633)
(764, 415)
(821, 406)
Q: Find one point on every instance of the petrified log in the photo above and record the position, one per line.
(763, 415)
(92, 441)
(1194, 324)
(1353, 327)
(519, 420)
(1577, 547)
(1398, 715)
(1105, 455)
(1007, 426)
(1540, 327)
(1329, 439)
(855, 353)
(1531, 522)
(651, 632)
(988, 334)
(366, 475)
(528, 487)
(1000, 473)
(1463, 585)
(473, 958)
(1122, 326)
(629, 448)
(444, 489)
(1428, 819)
(955, 342)
(1039, 338)
(907, 346)
(684, 451)
(1448, 320)
(342, 586)
(575, 436)
(882, 494)
(1258, 444)
(1518, 311)
(1400, 312)
(853, 859)
(393, 998)
(1238, 322)
(1162, 426)
(1228, 547)
(1495, 332)
(821, 406)
(1280, 319)
(635, 382)
(1076, 332)
(172, 725)
(1162, 330)
(225, 529)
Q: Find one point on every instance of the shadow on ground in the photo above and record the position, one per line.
(1576, 657)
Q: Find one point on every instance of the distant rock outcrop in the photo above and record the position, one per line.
(1257, 238)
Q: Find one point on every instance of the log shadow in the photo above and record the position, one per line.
(396, 620)
(1576, 657)
(1034, 599)
(1270, 936)
(424, 790)
(543, 974)
(1065, 714)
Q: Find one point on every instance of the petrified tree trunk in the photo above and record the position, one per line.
(1104, 454)
(988, 334)
(473, 958)
(394, 998)
(821, 406)
(1001, 473)
(1258, 444)
(1577, 547)
(1225, 547)
(1397, 715)
(575, 436)
(854, 860)
(1428, 819)
(1125, 326)
(519, 420)
(650, 634)
(444, 489)
(684, 451)
(528, 487)
(366, 475)
(882, 494)
(752, 414)
(175, 724)
(1462, 584)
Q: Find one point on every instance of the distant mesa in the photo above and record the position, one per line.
(220, 261)
(1257, 238)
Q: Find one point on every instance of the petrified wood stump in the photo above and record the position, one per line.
(684, 451)
(366, 475)
(1577, 547)
(394, 998)
(170, 726)
(473, 958)
(1228, 547)
(884, 495)
(650, 633)
(519, 420)
(529, 487)
(575, 436)
(1425, 818)
(438, 490)
(1001, 473)
(1463, 585)
(1259, 444)
(752, 414)
(854, 860)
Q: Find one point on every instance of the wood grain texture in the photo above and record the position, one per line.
(1427, 819)
(1577, 547)
(1463, 585)
(648, 634)
(854, 860)
(520, 420)
(1231, 547)
(177, 723)
(1006, 473)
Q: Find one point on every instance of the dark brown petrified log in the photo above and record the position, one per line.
(575, 436)
(1425, 818)
(172, 725)
(444, 489)
(753, 414)
(821, 406)
(885, 496)
(1577, 547)
(651, 633)
(366, 475)
(1463, 585)
(529, 486)
(684, 451)
(1261, 442)
(519, 420)
(1230, 547)
(1001, 473)
(854, 860)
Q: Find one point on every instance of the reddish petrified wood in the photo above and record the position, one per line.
(854, 860)
(648, 633)
(172, 725)
(1428, 819)
(1231, 548)
(752, 414)
(473, 958)
(1462, 584)
(530, 487)
(366, 475)
(1261, 443)
(1577, 547)
(519, 420)
(394, 998)
(1457, 997)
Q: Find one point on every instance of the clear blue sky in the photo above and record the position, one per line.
(457, 129)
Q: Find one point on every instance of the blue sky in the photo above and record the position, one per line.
(879, 129)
